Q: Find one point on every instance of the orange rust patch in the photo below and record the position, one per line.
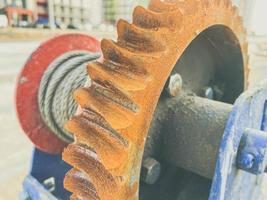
(132, 75)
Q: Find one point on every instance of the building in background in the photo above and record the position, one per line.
(86, 14)
(17, 13)
(115, 9)
(81, 14)
(103, 14)
(41, 11)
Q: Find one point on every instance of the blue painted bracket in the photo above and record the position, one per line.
(35, 191)
(242, 155)
(252, 152)
(44, 167)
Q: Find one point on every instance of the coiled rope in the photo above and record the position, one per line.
(55, 96)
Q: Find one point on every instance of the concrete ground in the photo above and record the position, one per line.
(15, 148)
(28, 34)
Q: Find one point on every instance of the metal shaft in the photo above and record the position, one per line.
(191, 131)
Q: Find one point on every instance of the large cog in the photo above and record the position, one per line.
(118, 106)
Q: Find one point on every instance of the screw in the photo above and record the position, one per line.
(252, 151)
(151, 170)
(49, 184)
(175, 85)
(246, 161)
(208, 93)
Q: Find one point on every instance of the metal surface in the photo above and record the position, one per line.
(119, 105)
(174, 85)
(192, 132)
(252, 155)
(229, 182)
(28, 84)
(151, 170)
(213, 68)
(33, 190)
(185, 132)
(208, 93)
(44, 167)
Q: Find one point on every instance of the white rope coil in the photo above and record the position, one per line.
(55, 96)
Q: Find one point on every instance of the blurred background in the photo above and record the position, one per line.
(24, 24)
(98, 14)
(62, 14)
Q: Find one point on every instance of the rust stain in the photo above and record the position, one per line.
(118, 107)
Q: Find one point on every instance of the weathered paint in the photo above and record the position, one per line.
(251, 155)
(229, 182)
(28, 84)
(43, 167)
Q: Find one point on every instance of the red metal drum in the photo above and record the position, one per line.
(28, 84)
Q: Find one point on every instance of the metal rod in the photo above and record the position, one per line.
(191, 130)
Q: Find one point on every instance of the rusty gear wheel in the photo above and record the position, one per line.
(118, 107)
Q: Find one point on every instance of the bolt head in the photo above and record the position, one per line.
(50, 184)
(246, 161)
(208, 93)
(151, 170)
(252, 151)
(175, 85)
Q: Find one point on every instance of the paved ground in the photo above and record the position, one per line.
(15, 149)
(11, 34)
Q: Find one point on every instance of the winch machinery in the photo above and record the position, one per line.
(163, 113)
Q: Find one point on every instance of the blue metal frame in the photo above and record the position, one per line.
(251, 156)
(45, 166)
(230, 182)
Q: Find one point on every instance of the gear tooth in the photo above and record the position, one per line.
(117, 108)
(205, 3)
(234, 9)
(162, 6)
(76, 197)
(228, 3)
(140, 39)
(115, 111)
(214, 2)
(112, 92)
(190, 7)
(152, 20)
(224, 3)
(87, 162)
(238, 19)
(245, 46)
(77, 182)
(129, 78)
(123, 55)
(91, 129)
(113, 52)
(116, 55)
